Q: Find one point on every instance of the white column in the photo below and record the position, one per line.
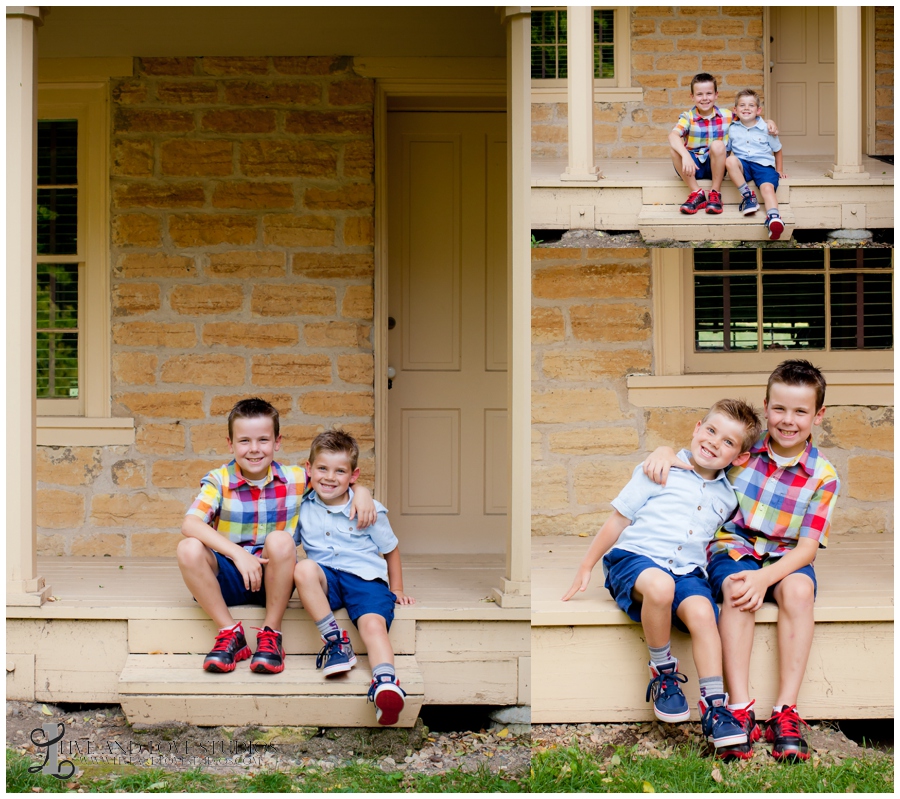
(848, 141)
(515, 589)
(23, 585)
(581, 95)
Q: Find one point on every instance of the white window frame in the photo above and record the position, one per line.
(88, 420)
(606, 90)
(675, 383)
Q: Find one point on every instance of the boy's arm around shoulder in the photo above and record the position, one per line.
(602, 543)
(363, 507)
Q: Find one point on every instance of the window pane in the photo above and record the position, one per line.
(793, 259)
(868, 259)
(543, 27)
(604, 52)
(57, 221)
(861, 312)
(57, 157)
(57, 296)
(725, 313)
(57, 365)
(57, 330)
(794, 312)
(723, 260)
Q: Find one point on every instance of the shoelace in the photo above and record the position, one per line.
(665, 688)
(374, 687)
(788, 722)
(715, 716)
(742, 715)
(328, 650)
(224, 639)
(266, 640)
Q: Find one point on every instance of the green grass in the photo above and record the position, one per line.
(357, 778)
(687, 770)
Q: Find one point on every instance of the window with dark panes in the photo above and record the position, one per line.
(549, 58)
(57, 255)
(792, 300)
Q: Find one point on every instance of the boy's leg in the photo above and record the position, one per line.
(735, 172)
(717, 155)
(199, 569)
(373, 630)
(690, 180)
(749, 204)
(337, 655)
(767, 190)
(699, 617)
(312, 586)
(281, 553)
(385, 690)
(795, 597)
(736, 629)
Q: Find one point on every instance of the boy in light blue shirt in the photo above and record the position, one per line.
(349, 567)
(655, 566)
(755, 155)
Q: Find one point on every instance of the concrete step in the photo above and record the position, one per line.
(675, 193)
(661, 222)
(158, 688)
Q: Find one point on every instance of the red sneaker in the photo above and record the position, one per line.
(783, 730)
(269, 657)
(714, 203)
(775, 226)
(694, 202)
(229, 650)
(747, 719)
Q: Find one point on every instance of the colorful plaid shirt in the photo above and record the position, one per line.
(698, 131)
(246, 514)
(777, 506)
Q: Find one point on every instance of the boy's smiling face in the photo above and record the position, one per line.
(704, 95)
(331, 476)
(790, 416)
(716, 443)
(747, 110)
(254, 445)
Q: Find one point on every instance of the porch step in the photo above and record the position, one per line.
(675, 193)
(159, 688)
(660, 222)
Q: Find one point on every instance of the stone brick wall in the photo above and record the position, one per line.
(591, 325)
(884, 80)
(242, 237)
(669, 45)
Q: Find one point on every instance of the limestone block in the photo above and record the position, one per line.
(210, 439)
(129, 474)
(287, 230)
(51, 545)
(547, 325)
(290, 370)
(722, 27)
(197, 157)
(155, 265)
(870, 477)
(595, 441)
(575, 405)
(662, 80)
(353, 197)
(244, 264)
(253, 195)
(580, 365)
(136, 230)
(232, 65)
(671, 427)
(154, 334)
(181, 473)
(297, 299)
(721, 63)
(204, 300)
(549, 487)
(59, 510)
(327, 265)
(601, 481)
(68, 466)
(851, 426)
(652, 44)
(163, 405)
(222, 404)
(188, 92)
(363, 432)
(264, 93)
(298, 438)
(207, 230)
(159, 439)
(159, 195)
(167, 66)
(337, 334)
(152, 120)
(592, 281)
(310, 65)
(586, 524)
(205, 369)
(135, 298)
(288, 158)
(359, 159)
(99, 545)
(337, 403)
(678, 27)
(135, 368)
(359, 302)
(250, 120)
(351, 92)
(357, 369)
(681, 61)
(852, 518)
(128, 91)
(132, 158)
(154, 545)
(235, 334)
(618, 322)
(136, 510)
(359, 231)
(331, 123)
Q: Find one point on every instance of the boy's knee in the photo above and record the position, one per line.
(699, 614)
(307, 570)
(279, 544)
(797, 591)
(732, 161)
(190, 552)
(371, 624)
(717, 147)
(658, 588)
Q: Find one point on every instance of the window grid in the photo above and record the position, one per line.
(549, 51)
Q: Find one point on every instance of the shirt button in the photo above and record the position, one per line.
(690, 532)
(679, 548)
(671, 561)
(327, 533)
(699, 508)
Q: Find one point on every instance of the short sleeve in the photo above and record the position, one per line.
(209, 501)
(816, 522)
(381, 532)
(637, 491)
(683, 124)
(774, 143)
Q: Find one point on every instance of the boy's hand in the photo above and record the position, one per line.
(363, 509)
(772, 127)
(580, 583)
(658, 463)
(688, 167)
(404, 599)
(250, 568)
(750, 594)
(782, 174)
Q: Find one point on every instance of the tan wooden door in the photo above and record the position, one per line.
(448, 470)
(802, 83)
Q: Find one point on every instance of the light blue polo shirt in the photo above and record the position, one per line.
(331, 539)
(754, 144)
(672, 524)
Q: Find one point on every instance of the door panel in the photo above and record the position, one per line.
(448, 469)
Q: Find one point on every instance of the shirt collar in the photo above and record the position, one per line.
(685, 455)
(807, 460)
(758, 124)
(716, 113)
(236, 479)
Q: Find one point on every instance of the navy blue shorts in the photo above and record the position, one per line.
(759, 173)
(704, 170)
(623, 568)
(359, 596)
(722, 565)
(232, 583)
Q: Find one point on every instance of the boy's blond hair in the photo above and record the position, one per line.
(747, 93)
(335, 441)
(743, 413)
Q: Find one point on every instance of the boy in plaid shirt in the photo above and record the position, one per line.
(699, 142)
(786, 496)
(239, 538)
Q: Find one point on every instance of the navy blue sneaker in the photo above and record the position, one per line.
(669, 703)
(337, 654)
(722, 729)
(749, 204)
(389, 700)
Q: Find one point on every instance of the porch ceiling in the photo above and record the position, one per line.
(409, 31)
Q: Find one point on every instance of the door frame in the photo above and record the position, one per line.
(410, 94)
